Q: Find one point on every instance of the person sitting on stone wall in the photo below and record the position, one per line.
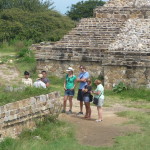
(39, 83)
(27, 80)
(45, 79)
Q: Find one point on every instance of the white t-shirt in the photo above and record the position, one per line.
(39, 84)
(101, 89)
(27, 82)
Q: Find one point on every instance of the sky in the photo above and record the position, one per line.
(61, 5)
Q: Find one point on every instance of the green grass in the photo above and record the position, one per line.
(8, 97)
(56, 84)
(138, 141)
(56, 135)
(133, 94)
(5, 47)
(51, 134)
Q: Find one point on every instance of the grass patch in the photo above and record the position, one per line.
(139, 104)
(141, 118)
(132, 94)
(53, 135)
(56, 84)
(5, 47)
(138, 141)
(19, 52)
(8, 97)
(56, 135)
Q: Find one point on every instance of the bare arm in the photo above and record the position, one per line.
(81, 80)
(75, 82)
(65, 85)
(97, 93)
(47, 84)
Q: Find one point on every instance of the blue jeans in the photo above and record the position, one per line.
(69, 92)
(86, 99)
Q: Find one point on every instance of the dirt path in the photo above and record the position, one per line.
(89, 132)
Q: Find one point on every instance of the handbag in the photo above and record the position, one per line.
(95, 100)
(91, 98)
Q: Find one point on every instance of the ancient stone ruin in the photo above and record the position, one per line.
(17, 116)
(114, 43)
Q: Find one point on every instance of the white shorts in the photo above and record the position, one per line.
(100, 102)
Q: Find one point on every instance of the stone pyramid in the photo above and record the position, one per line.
(115, 43)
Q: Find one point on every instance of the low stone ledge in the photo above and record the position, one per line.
(15, 117)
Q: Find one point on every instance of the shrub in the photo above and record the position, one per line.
(36, 26)
(119, 87)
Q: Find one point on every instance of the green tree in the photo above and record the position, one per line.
(47, 25)
(83, 9)
(29, 5)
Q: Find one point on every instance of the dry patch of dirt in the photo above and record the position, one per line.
(89, 132)
(9, 74)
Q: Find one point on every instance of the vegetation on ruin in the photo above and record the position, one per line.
(83, 9)
(119, 87)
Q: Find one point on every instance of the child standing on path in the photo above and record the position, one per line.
(86, 98)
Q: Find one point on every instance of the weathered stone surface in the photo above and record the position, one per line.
(14, 117)
(135, 77)
(127, 3)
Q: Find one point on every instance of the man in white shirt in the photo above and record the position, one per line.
(38, 83)
(27, 80)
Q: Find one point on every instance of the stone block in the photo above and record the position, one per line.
(43, 98)
(32, 100)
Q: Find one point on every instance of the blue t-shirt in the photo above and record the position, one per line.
(82, 75)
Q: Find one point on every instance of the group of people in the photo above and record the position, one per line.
(85, 92)
(41, 82)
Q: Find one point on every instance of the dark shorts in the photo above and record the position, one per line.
(80, 95)
(69, 92)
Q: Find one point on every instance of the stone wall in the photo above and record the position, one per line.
(122, 13)
(15, 117)
(58, 68)
(131, 76)
(128, 3)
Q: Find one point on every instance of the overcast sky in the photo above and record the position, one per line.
(61, 5)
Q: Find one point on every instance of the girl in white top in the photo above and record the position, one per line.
(99, 93)
(26, 80)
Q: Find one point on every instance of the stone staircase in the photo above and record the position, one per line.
(88, 41)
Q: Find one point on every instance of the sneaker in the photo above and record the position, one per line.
(69, 112)
(99, 120)
(63, 111)
(80, 113)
